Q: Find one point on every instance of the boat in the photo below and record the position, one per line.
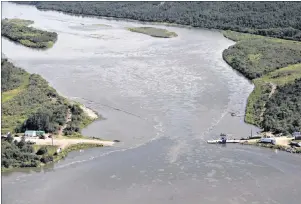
(223, 140)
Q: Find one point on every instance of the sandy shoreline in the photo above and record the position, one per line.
(64, 142)
(89, 112)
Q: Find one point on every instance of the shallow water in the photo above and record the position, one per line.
(163, 98)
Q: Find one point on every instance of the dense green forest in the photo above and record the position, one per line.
(283, 110)
(30, 103)
(275, 19)
(17, 30)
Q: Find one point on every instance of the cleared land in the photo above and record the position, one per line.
(66, 142)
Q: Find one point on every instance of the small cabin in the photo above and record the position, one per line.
(30, 133)
(33, 133)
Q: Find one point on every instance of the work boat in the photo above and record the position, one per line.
(223, 140)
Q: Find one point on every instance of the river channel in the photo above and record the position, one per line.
(163, 98)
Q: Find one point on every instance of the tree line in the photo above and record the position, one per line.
(275, 19)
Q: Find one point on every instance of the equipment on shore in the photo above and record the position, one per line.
(223, 140)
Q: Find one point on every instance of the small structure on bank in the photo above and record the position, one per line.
(223, 138)
(33, 133)
(297, 135)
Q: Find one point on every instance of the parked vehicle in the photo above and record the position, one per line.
(268, 139)
(295, 144)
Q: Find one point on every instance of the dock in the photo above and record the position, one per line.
(227, 141)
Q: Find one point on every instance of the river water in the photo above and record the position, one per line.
(163, 98)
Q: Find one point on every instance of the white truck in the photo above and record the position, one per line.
(268, 139)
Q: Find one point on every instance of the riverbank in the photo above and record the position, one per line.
(48, 151)
(282, 144)
(28, 102)
(274, 67)
(65, 142)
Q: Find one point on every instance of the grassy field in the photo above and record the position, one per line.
(18, 31)
(154, 32)
(12, 93)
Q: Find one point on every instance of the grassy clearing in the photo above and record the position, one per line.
(20, 22)
(18, 31)
(50, 149)
(154, 32)
(8, 95)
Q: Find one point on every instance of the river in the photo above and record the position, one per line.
(163, 98)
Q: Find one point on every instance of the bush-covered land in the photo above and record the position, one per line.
(32, 104)
(22, 154)
(263, 87)
(154, 32)
(78, 121)
(11, 76)
(255, 56)
(275, 19)
(16, 154)
(18, 31)
(283, 110)
(274, 65)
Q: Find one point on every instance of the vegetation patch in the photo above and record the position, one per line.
(28, 102)
(255, 56)
(282, 114)
(74, 147)
(18, 31)
(274, 66)
(275, 19)
(24, 154)
(263, 87)
(154, 32)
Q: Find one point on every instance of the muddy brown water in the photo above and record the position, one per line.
(163, 98)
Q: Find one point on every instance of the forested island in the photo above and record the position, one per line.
(18, 31)
(275, 19)
(29, 103)
(154, 32)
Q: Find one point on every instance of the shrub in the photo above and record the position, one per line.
(43, 150)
